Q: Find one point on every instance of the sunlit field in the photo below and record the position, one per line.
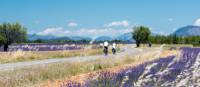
(170, 69)
(148, 65)
(66, 73)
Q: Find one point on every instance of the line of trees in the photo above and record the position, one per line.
(12, 33)
(142, 35)
(173, 39)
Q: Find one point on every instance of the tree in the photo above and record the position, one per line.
(1, 40)
(175, 39)
(141, 34)
(12, 33)
(38, 41)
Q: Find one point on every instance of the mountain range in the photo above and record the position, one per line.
(51, 37)
(189, 30)
(123, 37)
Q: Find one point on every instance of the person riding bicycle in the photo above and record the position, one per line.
(105, 48)
(114, 48)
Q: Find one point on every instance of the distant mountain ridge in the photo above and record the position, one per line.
(123, 37)
(104, 38)
(35, 37)
(51, 37)
(189, 30)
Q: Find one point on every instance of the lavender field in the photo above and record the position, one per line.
(173, 71)
(42, 47)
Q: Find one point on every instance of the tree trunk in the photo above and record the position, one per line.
(5, 47)
(138, 44)
(150, 44)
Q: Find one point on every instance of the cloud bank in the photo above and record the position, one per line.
(59, 31)
(112, 29)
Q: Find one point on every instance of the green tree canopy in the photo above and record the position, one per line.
(141, 34)
(1, 40)
(12, 33)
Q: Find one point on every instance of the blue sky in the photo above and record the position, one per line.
(99, 17)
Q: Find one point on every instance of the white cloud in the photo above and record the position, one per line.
(170, 19)
(161, 33)
(72, 24)
(102, 32)
(118, 23)
(59, 31)
(197, 22)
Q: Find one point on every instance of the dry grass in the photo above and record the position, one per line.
(166, 53)
(18, 56)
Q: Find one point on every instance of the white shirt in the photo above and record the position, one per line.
(114, 45)
(106, 43)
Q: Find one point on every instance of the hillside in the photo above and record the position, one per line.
(188, 31)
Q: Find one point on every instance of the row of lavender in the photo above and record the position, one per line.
(42, 47)
(164, 72)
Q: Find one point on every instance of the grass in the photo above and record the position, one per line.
(44, 73)
(19, 56)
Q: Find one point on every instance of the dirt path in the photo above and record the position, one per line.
(126, 50)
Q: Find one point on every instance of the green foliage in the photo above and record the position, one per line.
(173, 39)
(1, 40)
(12, 33)
(141, 35)
(38, 41)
